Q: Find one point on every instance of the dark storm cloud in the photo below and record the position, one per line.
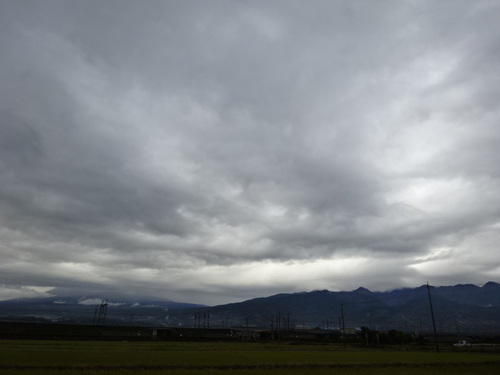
(198, 149)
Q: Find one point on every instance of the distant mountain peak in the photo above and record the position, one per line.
(491, 284)
(362, 290)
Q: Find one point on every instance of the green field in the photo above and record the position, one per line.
(80, 357)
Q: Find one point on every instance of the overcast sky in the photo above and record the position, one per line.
(216, 151)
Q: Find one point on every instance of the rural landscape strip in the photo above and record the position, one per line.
(248, 367)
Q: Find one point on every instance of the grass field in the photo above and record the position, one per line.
(116, 358)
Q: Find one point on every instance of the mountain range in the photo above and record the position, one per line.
(463, 308)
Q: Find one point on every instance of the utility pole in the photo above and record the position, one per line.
(105, 307)
(206, 320)
(100, 311)
(432, 315)
(95, 314)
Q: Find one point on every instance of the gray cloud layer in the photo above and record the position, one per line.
(214, 151)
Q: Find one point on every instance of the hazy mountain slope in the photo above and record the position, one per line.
(459, 308)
